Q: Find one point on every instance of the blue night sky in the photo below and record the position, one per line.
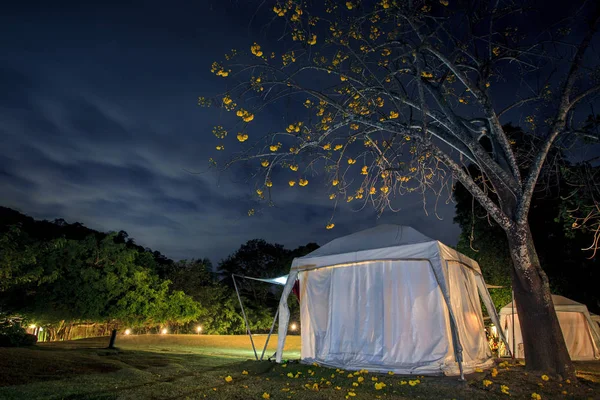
(99, 124)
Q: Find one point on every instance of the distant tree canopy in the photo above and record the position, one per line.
(58, 275)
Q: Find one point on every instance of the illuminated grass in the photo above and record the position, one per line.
(182, 367)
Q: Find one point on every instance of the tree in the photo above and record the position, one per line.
(399, 98)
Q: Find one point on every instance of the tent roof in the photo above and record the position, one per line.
(378, 237)
(383, 242)
(561, 303)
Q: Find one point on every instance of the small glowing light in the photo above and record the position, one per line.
(293, 326)
(199, 329)
(127, 331)
(164, 331)
(494, 330)
(41, 329)
(32, 326)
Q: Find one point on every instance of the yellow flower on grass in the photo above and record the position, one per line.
(244, 372)
(315, 387)
(403, 383)
(350, 376)
(374, 379)
(564, 392)
(290, 375)
(568, 381)
(360, 379)
(266, 395)
(536, 396)
(394, 115)
(351, 394)
(545, 378)
(264, 163)
(228, 378)
(303, 182)
(494, 372)
(487, 382)
(338, 388)
(478, 370)
(504, 389)
(390, 372)
(330, 226)
(291, 183)
(355, 384)
(380, 385)
(414, 382)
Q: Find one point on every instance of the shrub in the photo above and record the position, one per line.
(13, 335)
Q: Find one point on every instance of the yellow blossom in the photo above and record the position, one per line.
(330, 226)
(332, 196)
(303, 182)
(444, 2)
(394, 115)
(255, 49)
(338, 147)
(487, 382)
(364, 170)
(403, 382)
(269, 183)
(290, 375)
(220, 147)
(343, 78)
(360, 379)
(350, 376)
(251, 212)
(494, 372)
(372, 190)
(504, 389)
(351, 394)
(545, 378)
(327, 146)
(291, 183)
(242, 137)
(349, 199)
(266, 395)
(260, 193)
(536, 396)
(349, 5)
(228, 378)
(478, 370)
(244, 372)
(496, 51)
(354, 127)
(351, 161)
(313, 40)
(264, 163)
(374, 379)
(294, 167)
(335, 182)
(355, 384)
(426, 75)
(380, 385)
(384, 189)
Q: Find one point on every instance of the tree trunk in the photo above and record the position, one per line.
(544, 345)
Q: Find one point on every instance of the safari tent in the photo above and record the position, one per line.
(581, 333)
(389, 299)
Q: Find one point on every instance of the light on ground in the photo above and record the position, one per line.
(164, 331)
(127, 331)
(199, 329)
(293, 326)
(32, 326)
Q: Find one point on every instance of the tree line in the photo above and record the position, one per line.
(74, 282)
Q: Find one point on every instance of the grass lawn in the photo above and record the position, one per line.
(196, 367)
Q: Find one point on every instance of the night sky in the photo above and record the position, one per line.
(99, 124)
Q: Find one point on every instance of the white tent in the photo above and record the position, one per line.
(580, 332)
(389, 299)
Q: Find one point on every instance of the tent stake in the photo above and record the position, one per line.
(244, 315)
(270, 333)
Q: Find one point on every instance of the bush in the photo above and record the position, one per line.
(13, 335)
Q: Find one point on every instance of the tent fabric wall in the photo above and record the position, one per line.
(411, 307)
(579, 331)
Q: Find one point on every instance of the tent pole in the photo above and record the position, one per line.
(270, 333)
(244, 315)
(512, 294)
